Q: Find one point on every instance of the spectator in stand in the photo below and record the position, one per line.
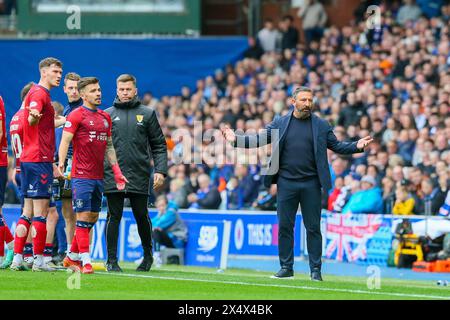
(351, 187)
(178, 193)
(338, 185)
(254, 50)
(168, 228)
(368, 200)
(267, 37)
(289, 38)
(404, 202)
(314, 18)
(233, 198)
(445, 209)
(267, 200)
(408, 12)
(248, 184)
(207, 196)
(388, 195)
(434, 195)
(351, 112)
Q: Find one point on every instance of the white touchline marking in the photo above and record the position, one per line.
(277, 286)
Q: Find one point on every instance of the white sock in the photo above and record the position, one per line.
(10, 245)
(47, 259)
(18, 258)
(73, 256)
(2, 259)
(85, 258)
(39, 259)
(69, 245)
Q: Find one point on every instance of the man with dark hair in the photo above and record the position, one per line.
(300, 171)
(90, 130)
(137, 137)
(289, 37)
(73, 96)
(37, 164)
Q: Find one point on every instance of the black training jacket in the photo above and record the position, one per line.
(137, 137)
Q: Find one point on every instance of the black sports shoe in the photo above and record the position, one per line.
(113, 267)
(146, 264)
(316, 275)
(58, 259)
(283, 274)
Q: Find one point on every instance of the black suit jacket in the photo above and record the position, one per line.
(275, 132)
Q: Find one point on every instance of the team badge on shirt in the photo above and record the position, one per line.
(105, 122)
(139, 118)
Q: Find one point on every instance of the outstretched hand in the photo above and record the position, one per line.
(364, 142)
(34, 113)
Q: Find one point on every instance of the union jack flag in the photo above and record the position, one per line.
(347, 235)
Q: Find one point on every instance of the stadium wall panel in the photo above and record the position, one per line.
(161, 66)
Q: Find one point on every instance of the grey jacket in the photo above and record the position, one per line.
(137, 137)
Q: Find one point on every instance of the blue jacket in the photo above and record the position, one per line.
(323, 138)
(365, 201)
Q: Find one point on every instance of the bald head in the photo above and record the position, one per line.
(203, 181)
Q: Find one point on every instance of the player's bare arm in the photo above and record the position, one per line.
(59, 121)
(63, 149)
(110, 154)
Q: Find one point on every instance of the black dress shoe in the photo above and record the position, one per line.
(283, 274)
(146, 264)
(113, 267)
(316, 275)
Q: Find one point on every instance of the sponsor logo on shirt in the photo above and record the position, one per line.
(91, 123)
(92, 135)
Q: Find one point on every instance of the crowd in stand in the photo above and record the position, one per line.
(391, 82)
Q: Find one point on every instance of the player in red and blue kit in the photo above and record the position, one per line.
(5, 233)
(16, 135)
(73, 96)
(89, 130)
(37, 164)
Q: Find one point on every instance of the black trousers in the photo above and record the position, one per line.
(140, 212)
(290, 193)
(160, 237)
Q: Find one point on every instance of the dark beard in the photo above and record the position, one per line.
(304, 114)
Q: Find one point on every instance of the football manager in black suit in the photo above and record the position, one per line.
(299, 167)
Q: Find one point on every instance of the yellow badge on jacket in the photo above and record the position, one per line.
(139, 118)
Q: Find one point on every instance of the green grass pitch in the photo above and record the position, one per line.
(192, 283)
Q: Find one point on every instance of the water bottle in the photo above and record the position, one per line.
(442, 283)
